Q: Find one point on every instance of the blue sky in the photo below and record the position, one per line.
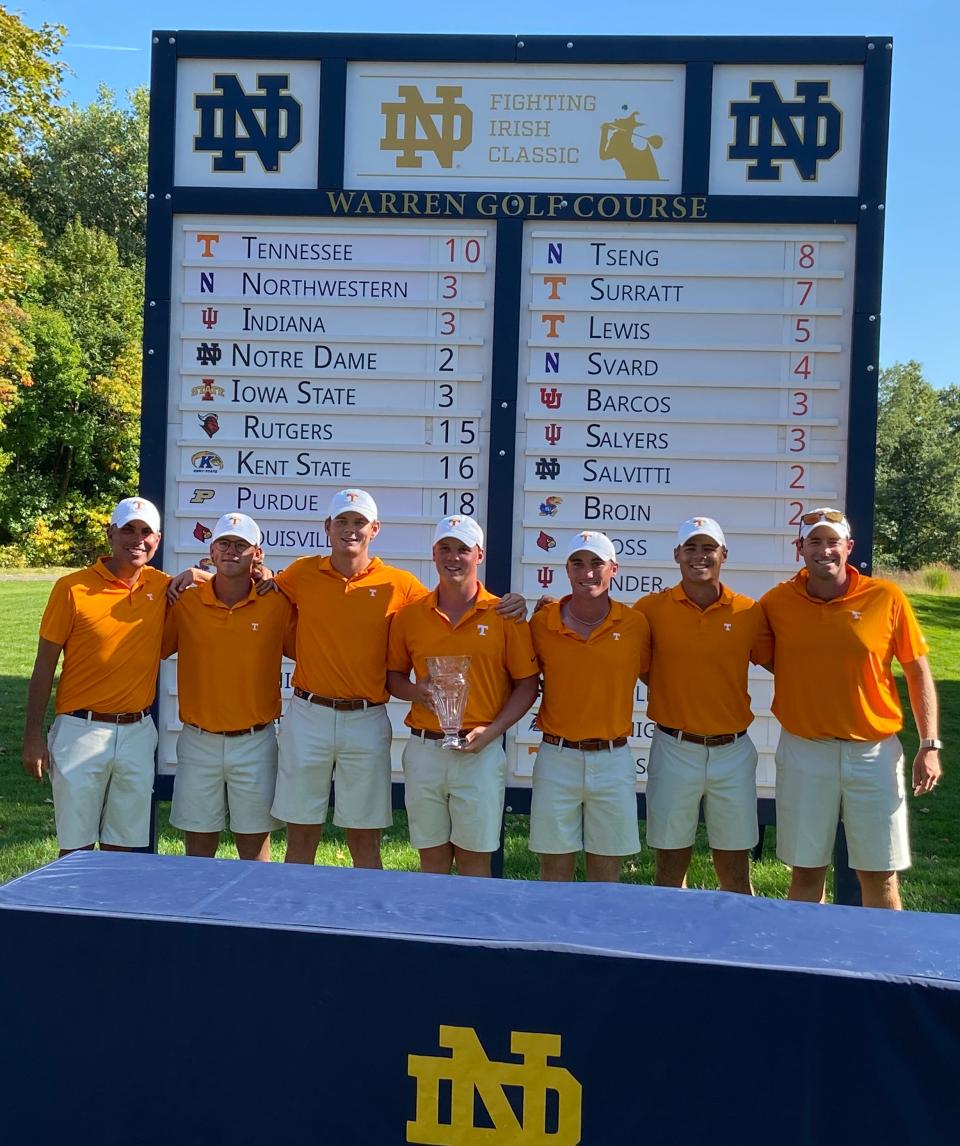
(109, 41)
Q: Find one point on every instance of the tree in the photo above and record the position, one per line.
(101, 299)
(918, 470)
(93, 168)
(30, 85)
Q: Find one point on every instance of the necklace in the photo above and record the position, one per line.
(587, 624)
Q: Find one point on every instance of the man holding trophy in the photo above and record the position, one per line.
(476, 674)
(592, 650)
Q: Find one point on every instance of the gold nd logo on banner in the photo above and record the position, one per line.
(415, 126)
(470, 1073)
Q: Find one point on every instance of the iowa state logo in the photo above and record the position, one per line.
(550, 1111)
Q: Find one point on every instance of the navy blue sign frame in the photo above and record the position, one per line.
(865, 211)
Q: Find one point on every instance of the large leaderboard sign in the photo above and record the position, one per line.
(548, 283)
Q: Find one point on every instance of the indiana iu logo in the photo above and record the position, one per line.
(770, 130)
(234, 122)
(414, 126)
(475, 1079)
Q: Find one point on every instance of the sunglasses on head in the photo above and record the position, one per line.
(834, 515)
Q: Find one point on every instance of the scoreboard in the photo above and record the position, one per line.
(553, 284)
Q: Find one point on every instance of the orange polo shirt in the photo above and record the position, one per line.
(501, 652)
(699, 660)
(228, 659)
(832, 677)
(588, 683)
(343, 624)
(111, 638)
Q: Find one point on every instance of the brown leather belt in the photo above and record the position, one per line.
(585, 745)
(233, 731)
(704, 741)
(429, 734)
(351, 704)
(109, 717)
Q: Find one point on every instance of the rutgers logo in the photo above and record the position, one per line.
(209, 423)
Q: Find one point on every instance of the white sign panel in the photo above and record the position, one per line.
(785, 130)
(477, 126)
(247, 123)
(307, 356)
(668, 372)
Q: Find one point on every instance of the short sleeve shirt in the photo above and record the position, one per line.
(229, 658)
(501, 652)
(832, 661)
(700, 658)
(110, 635)
(589, 683)
(343, 623)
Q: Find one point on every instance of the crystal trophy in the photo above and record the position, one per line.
(449, 687)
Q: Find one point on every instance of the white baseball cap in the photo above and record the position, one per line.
(464, 529)
(237, 525)
(357, 500)
(593, 542)
(700, 527)
(828, 518)
(136, 509)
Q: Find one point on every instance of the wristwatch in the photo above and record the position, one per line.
(931, 742)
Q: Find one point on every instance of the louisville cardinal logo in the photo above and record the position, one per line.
(546, 542)
(209, 423)
(201, 533)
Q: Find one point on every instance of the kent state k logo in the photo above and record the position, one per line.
(414, 126)
(475, 1079)
(234, 122)
(770, 130)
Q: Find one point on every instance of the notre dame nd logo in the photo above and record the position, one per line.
(770, 130)
(414, 126)
(550, 1112)
(234, 122)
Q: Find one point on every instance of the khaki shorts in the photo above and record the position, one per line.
(213, 770)
(102, 777)
(584, 800)
(681, 773)
(316, 742)
(820, 782)
(454, 797)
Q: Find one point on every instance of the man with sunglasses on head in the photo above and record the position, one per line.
(836, 632)
(703, 639)
(227, 748)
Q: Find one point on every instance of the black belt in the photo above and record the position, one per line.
(109, 717)
(233, 731)
(429, 734)
(351, 704)
(704, 741)
(585, 745)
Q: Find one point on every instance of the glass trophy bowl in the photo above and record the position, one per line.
(449, 687)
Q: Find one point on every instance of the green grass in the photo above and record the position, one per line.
(933, 884)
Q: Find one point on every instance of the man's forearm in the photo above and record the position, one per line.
(923, 698)
(519, 701)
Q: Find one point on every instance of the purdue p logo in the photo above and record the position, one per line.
(770, 130)
(414, 126)
(233, 122)
(551, 1104)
